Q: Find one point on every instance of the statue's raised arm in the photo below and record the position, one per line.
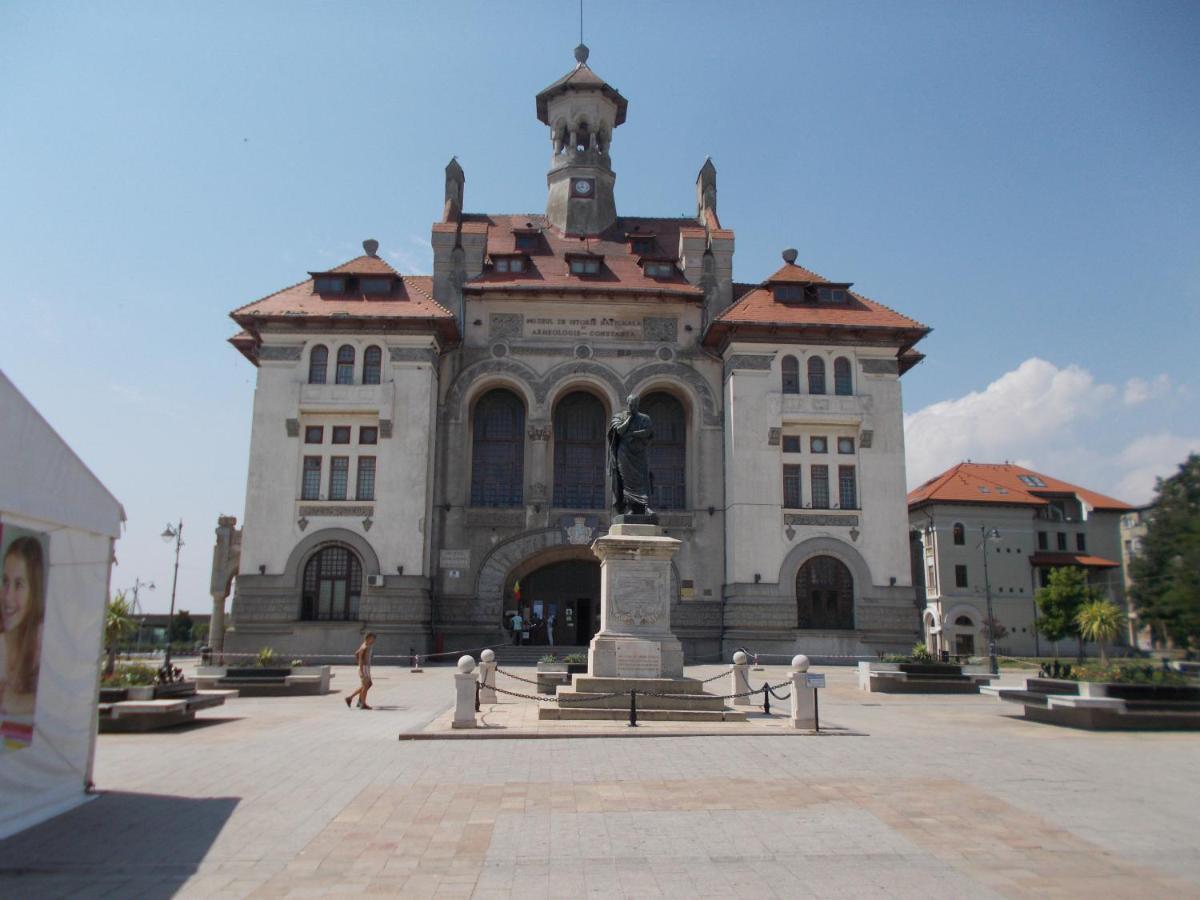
(629, 436)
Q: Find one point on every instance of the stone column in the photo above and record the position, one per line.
(464, 694)
(804, 702)
(635, 639)
(487, 676)
(216, 625)
(739, 678)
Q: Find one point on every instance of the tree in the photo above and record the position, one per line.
(1166, 574)
(1059, 602)
(181, 628)
(1100, 621)
(118, 622)
(1000, 629)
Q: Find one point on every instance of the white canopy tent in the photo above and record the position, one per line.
(58, 525)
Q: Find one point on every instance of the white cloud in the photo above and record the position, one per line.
(1059, 420)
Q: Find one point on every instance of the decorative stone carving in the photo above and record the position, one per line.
(538, 430)
(817, 519)
(637, 593)
(302, 522)
(367, 523)
(663, 329)
(280, 352)
(880, 366)
(292, 426)
(385, 428)
(455, 408)
(865, 439)
(338, 511)
(583, 351)
(580, 532)
(773, 436)
(411, 354)
(753, 362)
(708, 405)
(582, 367)
(500, 350)
(506, 325)
(666, 354)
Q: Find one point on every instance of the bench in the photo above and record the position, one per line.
(148, 715)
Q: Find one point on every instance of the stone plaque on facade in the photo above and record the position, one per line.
(639, 592)
(454, 559)
(639, 659)
(603, 327)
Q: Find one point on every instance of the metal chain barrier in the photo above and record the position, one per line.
(501, 671)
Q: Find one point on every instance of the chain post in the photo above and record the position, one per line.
(633, 723)
(476, 696)
(816, 712)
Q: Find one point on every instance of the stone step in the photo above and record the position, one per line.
(605, 685)
(649, 715)
(589, 700)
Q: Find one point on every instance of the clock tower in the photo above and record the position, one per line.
(581, 110)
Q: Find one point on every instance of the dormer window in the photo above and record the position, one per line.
(1032, 480)
(508, 263)
(789, 293)
(584, 264)
(330, 284)
(375, 286)
(527, 240)
(659, 269)
(831, 295)
(641, 246)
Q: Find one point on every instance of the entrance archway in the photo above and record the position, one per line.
(559, 600)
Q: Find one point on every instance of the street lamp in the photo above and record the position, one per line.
(172, 533)
(138, 583)
(989, 534)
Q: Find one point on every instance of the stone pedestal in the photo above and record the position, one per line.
(635, 639)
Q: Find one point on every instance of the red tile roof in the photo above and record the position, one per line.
(580, 78)
(1072, 559)
(963, 483)
(794, 274)
(362, 265)
(548, 268)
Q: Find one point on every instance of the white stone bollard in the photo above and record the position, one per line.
(464, 694)
(804, 699)
(487, 677)
(739, 679)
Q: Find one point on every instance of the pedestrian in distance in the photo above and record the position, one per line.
(362, 656)
(518, 624)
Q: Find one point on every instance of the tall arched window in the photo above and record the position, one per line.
(345, 365)
(668, 451)
(579, 452)
(816, 375)
(372, 365)
(791, 375)
(960, 534)
(825, 594)
(332, 585)
(318, 363)
(498, 450)
(843, 384)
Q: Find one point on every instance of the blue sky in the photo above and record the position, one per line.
(1023, 177)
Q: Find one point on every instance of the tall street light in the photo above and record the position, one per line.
(989, 534)
(172, 533)
(137, 609)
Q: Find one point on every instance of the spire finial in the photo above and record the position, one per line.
(581, 54)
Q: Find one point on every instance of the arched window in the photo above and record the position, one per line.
(372, 365)
(582, 138)
(843, 385)
(498, 450)
(816, 375)
(791, 375)
(579, 452)
(964, 622)
(318, 362)
(667, 456)
(332, 585)
(345, 365)
(960, 534)
(825, 594)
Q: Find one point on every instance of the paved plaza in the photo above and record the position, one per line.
(909, 796)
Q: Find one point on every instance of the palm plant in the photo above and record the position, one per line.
(118, 622)
(1100, 621)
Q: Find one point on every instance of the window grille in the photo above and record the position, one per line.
(498, 450)
(579, 451)
(816, 375)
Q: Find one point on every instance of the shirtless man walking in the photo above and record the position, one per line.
(362, 656)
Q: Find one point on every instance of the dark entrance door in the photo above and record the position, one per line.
(560, 603)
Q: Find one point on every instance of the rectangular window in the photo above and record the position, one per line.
(960, 576)
(791, 443)
(791, 487)
(1062, 540)
(310, 489)
(313, 434)
(328, 284)
(341, 434)
(642, 246)
(1043, 540)
(847, 488)
(527, 241)
(368, 434)
(789, 293)
(339, 475)
(820, 487)
(931, 579)
(585, 266)
(375, 286)
(845, 445)
(1081, 542)
(365, 487)
(659, 269)
(818, 445)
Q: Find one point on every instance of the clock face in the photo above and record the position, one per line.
(582, 187)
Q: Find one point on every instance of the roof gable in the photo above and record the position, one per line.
(964, 483)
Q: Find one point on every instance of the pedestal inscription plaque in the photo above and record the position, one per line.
(639, 659)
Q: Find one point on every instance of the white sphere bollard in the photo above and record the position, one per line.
(487, 656)
(804, 698)
(739, 678)
(466, 665)
(800, 663)
(487, 676)
(464, 694)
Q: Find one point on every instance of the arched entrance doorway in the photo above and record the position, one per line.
(559, 601)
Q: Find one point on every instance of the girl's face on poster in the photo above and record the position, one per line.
(14, 591)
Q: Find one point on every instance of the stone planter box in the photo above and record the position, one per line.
(919, 678)
(266, 681)
(143, 692)
(1098, 705)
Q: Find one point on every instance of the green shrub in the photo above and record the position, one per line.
(130, 675)
(549, 658)
(575, 658)
(921, 654)
(266, 658)
(1155, 675)
(297, 663)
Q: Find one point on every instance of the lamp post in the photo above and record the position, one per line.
(172, 533)
(138, 583)
(989, 534)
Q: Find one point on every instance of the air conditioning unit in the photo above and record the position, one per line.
(375, 581)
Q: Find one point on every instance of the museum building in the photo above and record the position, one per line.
(428, 453)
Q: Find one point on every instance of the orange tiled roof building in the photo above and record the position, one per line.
(428, 452)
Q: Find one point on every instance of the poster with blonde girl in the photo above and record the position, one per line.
(22, 611)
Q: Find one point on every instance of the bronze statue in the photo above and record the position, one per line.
(629, 436)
